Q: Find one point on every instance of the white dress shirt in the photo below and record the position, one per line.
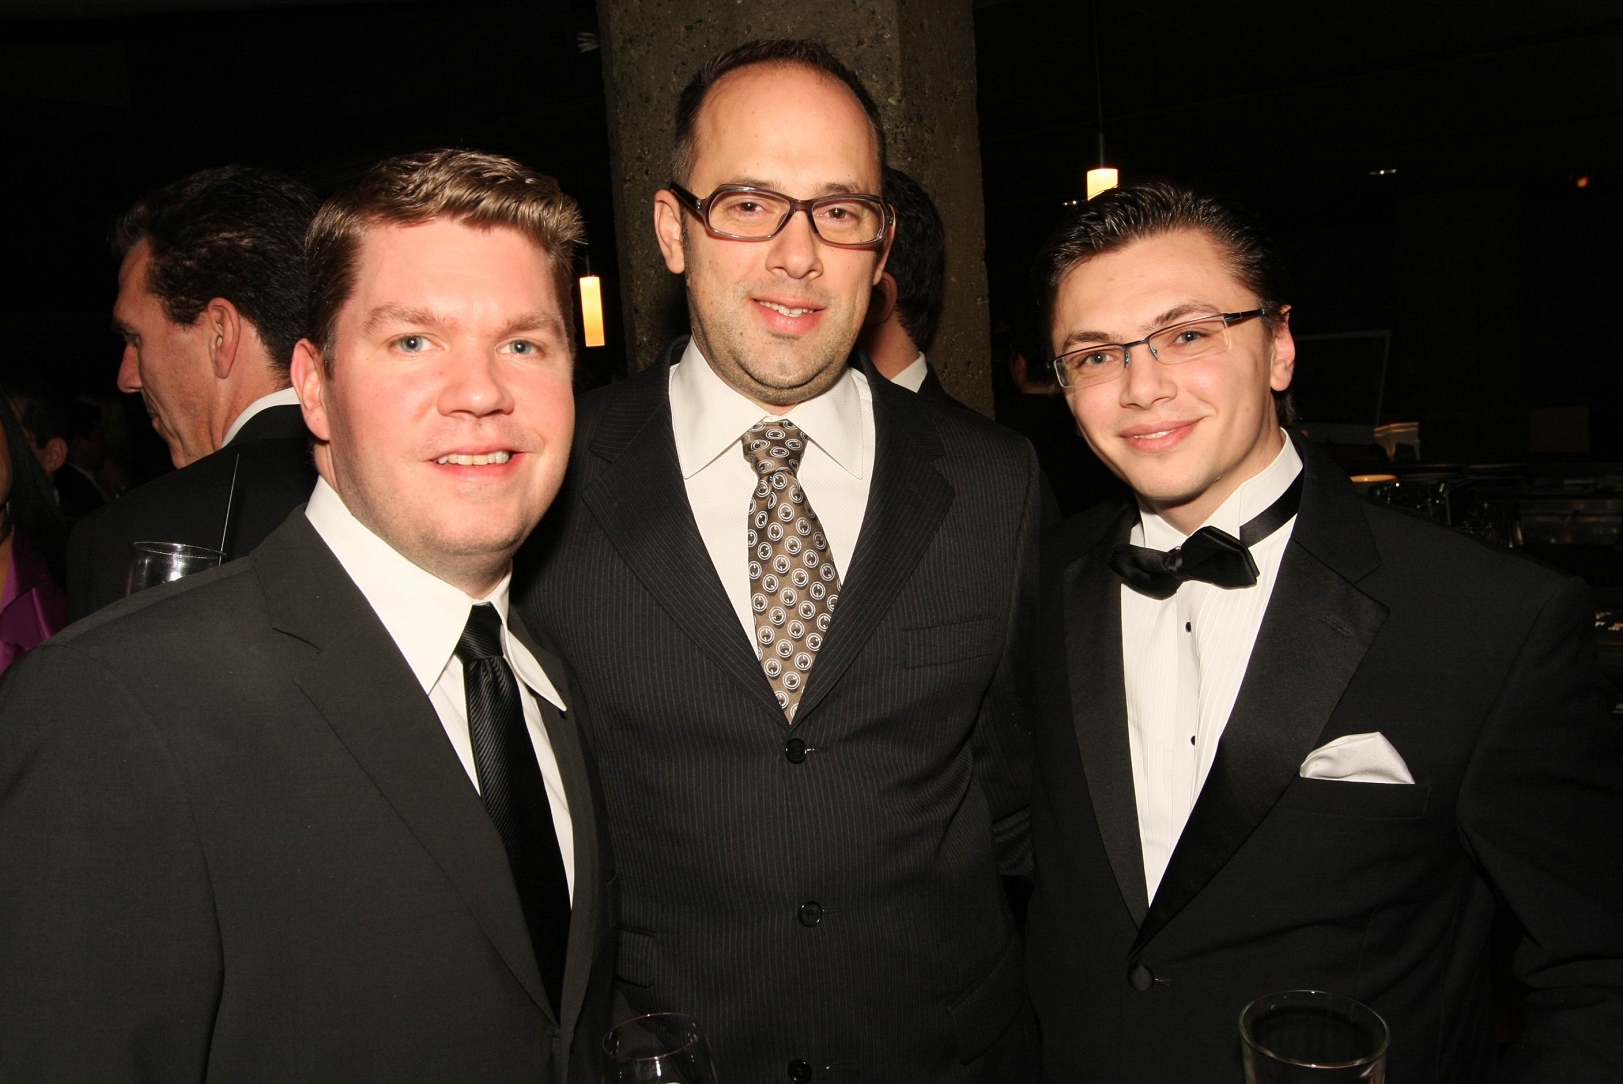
(709, 418)
(285, 397)
(425, 616)
(912, 377)
(1184, 658)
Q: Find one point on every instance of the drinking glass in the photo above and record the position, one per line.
(152, 563)
(664, 1046)
(1312, 1037)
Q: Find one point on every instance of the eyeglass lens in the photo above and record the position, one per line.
(760, 214)
(1171, 346)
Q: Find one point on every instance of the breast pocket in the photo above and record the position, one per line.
(1335, 796)
(955, 642)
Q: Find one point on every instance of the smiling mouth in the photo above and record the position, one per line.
(486, 460)
(785, 309)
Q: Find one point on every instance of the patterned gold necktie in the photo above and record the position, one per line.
(793, 582)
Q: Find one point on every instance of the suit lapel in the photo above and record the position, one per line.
(564, 737)
(1099, 706)
(640, 501)
(1314, 634)
(907, 500)
(362, 687)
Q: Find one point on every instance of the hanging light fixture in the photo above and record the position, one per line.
(591, 306)
(1101, 178)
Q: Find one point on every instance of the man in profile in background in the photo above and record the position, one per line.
(211, 297)
(905, 309)
(324, 814)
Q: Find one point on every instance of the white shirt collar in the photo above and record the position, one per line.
(285, 397)
(912, 377)
(709, 416)
(1253, 496)
(423, 614)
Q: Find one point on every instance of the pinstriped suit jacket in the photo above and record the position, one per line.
(910, 798)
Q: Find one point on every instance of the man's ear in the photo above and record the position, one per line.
(884, 253)
(225, 328)
(1283, 368)
(883, 300)
(309, 383)
(668, 229)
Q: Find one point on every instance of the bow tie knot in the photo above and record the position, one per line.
(1209, 555)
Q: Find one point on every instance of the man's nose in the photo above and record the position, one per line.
(796, 250)
(475, 384)
(129, 370)
(1145, 380)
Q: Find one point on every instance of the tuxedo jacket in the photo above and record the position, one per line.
(1477, 666)
(237, 845)
(824, 897)
(189, 506)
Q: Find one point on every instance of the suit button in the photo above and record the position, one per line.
(799, 1071)
(795, 750)
(810, 914)
(1140, 978)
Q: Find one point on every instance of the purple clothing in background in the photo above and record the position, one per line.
(32, 608)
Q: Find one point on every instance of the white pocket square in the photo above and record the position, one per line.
(1357, 758)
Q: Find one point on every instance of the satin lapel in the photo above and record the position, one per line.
(361, 685)
(1099, 706)
(907, 500)
(1315, 632)
(640, 501)
(564, 736)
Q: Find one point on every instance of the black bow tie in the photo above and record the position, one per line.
(1209, 555)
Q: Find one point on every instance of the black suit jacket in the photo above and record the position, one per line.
(237, 845)
(76, 495)
(826, 893)
(932, 387)
(1477, 666)
(188, 505)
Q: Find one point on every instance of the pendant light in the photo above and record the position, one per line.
(1101, 178)
(591, 306)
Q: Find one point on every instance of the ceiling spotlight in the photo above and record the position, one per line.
(1382, 172)
(1069, 202)
(1582, 182)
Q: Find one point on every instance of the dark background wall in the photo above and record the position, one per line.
(1496, 273)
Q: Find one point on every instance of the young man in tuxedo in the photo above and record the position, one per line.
(211, 300)
(1289, 738)
(324, 814)
(798, 597)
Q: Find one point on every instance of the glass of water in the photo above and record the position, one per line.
(666, 1047)
(1312, 1037)
(152, 563)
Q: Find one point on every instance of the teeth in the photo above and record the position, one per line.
(474, 460)
(775, 307)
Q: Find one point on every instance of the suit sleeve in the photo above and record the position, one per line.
(110, 962)
(1541, 808)
(1003, 757)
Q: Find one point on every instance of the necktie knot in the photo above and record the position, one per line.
(774, 447)
(482, 636)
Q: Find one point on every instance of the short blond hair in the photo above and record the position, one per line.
(481, 190)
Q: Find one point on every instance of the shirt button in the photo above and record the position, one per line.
(810, 914)
(1140, 978)
(799, 1071)
(795, 750)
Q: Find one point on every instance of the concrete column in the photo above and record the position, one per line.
(918, 60)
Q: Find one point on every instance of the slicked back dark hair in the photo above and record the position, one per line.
(806, 52)
(234, 232)
(918, 258)
(1117, 218)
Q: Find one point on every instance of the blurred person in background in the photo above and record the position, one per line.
(211, 300)
(56, 427)
(904, 312)
(32, 540)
